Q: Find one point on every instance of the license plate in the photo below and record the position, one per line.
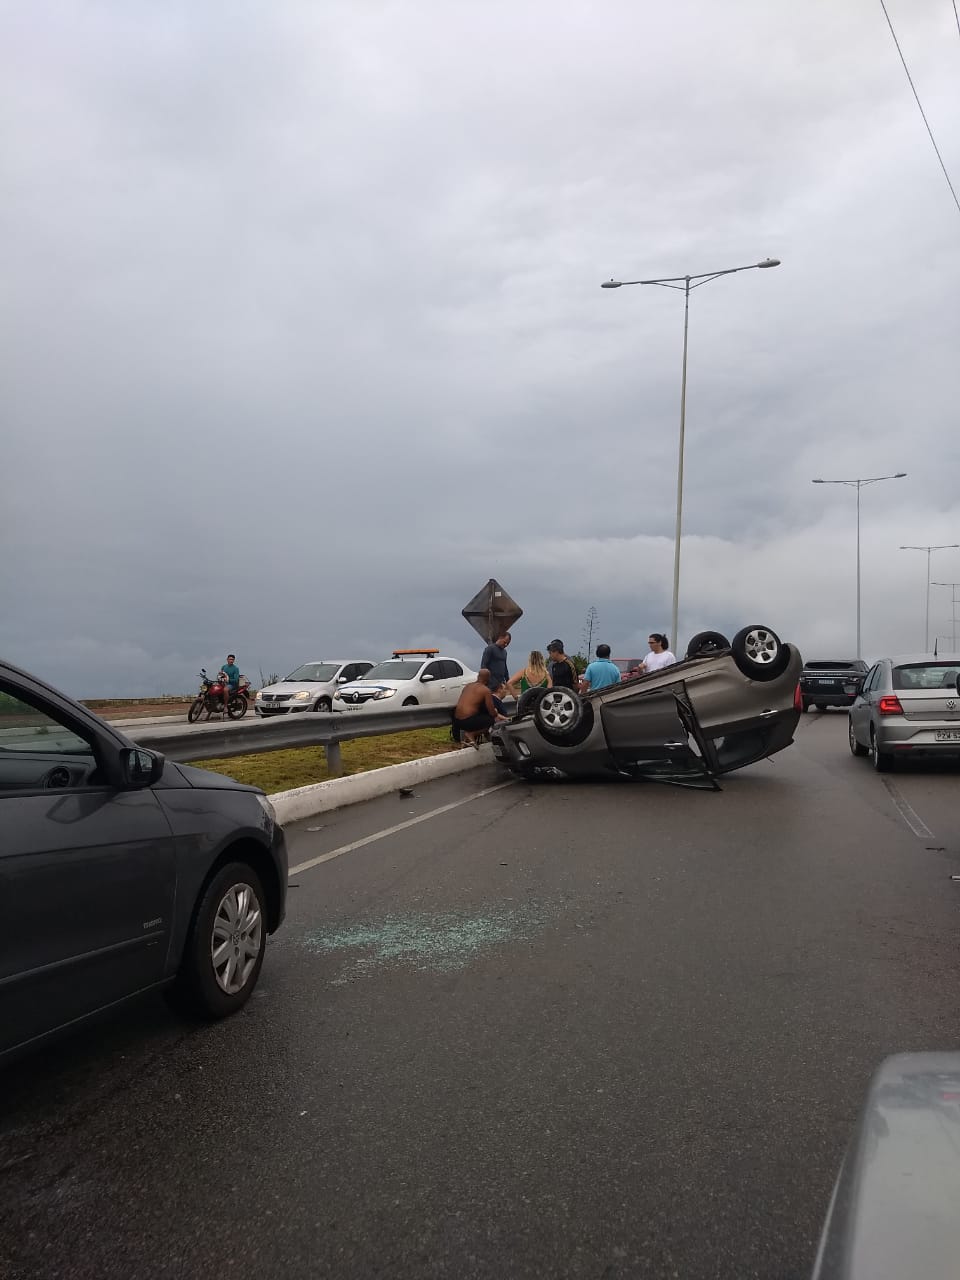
(948, 735)
(352, 706)
(830, 682)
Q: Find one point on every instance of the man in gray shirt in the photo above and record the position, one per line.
(495, 661)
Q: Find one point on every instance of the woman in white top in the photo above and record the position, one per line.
(659, 655)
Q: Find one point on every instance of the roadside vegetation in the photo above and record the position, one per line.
(282, 770)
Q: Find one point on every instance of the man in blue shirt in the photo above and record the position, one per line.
(495, 661)
(602, 673)
(232, 672)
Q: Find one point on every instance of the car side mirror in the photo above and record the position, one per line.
(139, 767)
(424, 679)
(342, 680)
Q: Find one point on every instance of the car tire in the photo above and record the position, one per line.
(856, 748)
(882, 761)
(410, 702)
(527, 703)
(205, 985)
(196, 710)
(806, 704)
(323, 704)
(706, 643)
(760, 653)
(821, 706)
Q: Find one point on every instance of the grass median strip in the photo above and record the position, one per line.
(283, 770)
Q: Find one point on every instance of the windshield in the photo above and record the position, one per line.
(927, 675)
(394, 669)
(314, 671)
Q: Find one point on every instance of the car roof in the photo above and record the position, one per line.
(943, 659)
(818, 662)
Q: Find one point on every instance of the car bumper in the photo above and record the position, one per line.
(271, 709)
(828, 697)
(918, 738)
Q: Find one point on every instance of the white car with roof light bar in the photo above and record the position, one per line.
(908, 708)
(411, 678)
(310, 688)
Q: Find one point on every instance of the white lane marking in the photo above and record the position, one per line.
(390, 831)
(907, 812)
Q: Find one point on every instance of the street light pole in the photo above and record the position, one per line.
(858, 485)
(686, 283)
(953, 611)
(939, 546)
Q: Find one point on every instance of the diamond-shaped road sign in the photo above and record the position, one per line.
(492, 611)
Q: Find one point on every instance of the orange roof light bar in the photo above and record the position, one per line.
(400, 653)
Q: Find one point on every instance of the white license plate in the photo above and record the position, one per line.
(948, 735)
(826, 682)
(352, 706)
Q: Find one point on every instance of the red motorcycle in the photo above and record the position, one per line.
(210, 698)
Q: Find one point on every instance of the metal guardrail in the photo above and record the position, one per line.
(278, 733)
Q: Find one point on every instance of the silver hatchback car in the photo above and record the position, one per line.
(908, 707)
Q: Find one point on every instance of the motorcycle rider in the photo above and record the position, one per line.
(231, 679)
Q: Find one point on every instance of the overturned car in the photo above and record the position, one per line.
(727, 704)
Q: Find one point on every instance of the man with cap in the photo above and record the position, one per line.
(562, 671)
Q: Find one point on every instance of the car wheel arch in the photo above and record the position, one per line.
(257, 857)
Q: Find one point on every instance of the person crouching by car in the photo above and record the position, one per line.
(562, 671)
(475, 711)
(659, 655)
(600, 674)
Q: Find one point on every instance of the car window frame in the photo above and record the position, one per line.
(88, 733)
(428, 669)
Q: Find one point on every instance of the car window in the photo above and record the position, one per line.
(351, 671)
(926, 675)
(363, 668)
(37, 749)
(451, 670)
(871, 679)
(435, 669)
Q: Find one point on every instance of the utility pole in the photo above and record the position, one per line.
(953, 610)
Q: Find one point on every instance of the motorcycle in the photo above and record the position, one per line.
(210, 698)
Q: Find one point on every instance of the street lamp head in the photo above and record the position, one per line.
(899, 475)
(818, 482)
(769, 262)
(611, 284)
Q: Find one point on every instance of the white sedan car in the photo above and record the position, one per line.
(412, 677)
(311, 687)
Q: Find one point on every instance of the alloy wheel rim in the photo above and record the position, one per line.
(236, 938)
(761, 646)
(557, 708)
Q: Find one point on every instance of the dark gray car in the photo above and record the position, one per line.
(726, 705)
(121, 872)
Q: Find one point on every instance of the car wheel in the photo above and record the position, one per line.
(224, 951)
(760, 653)
(807, 704)
(410, 702)
(559, 711)
(856, 747)
(196, 710)
(882, 761)
(528, 701)
(821, 706)
(706, 643)
(323, 704)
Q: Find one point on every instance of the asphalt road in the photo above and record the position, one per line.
(569, 1030)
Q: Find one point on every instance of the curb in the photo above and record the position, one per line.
(321, 797)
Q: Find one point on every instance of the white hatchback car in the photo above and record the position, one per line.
(311, 687)
(412, 677)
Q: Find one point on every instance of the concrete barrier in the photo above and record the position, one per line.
(321, 797)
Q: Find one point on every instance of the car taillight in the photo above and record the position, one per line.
(797, 699)
(890, 706)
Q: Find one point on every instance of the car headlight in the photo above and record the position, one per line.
(268, 809)
(384, 693)
(302, 696)
(338, 696)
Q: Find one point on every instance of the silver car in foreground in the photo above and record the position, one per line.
(726, 705)
(908, 708)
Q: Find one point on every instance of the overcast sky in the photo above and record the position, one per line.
(303, 337)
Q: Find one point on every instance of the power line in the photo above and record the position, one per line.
(956, 15)
(956, 201)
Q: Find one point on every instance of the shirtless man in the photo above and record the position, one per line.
(475, 711)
